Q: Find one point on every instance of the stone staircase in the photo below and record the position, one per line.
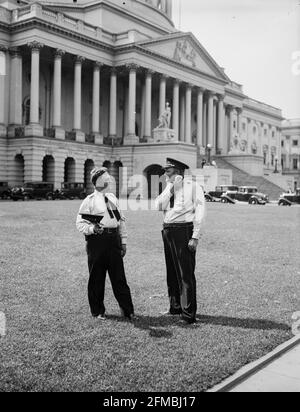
(241, 178)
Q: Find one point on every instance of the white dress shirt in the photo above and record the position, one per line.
(189, 204)
(95, 205)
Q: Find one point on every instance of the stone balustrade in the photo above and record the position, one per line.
(43, 13)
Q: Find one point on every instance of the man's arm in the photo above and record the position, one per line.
(84, 226)
(162, 201)
(200, 209)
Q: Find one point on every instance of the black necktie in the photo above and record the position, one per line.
(172, 200)
(112, 212)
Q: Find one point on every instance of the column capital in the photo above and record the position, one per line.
(189, 86)
(220, 97)
(149, 72)
(229, 109)
(210, 94)
(35, 46)
(200, 90)
(132, 67)
(163, 76)
(15, 51)
(113, 70)
(79, 59)
(3, 49)
(98, 65)
(177, 82)
(58, 53)
(239, 110)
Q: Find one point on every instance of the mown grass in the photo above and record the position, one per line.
(248, 288)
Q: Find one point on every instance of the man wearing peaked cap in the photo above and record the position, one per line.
(103, 224)
(172, 163)
(183, 205)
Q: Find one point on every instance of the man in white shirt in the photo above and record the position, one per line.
(103, 224)
(183, 204)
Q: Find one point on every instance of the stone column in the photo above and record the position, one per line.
(188, 113)
(15, 104)
(113, 104)
(162, 93)
(239, 112)
(182, 117)
(131, 137)
(221, 145)
(35, 129)
(215, 127)
(230, 122)
(200, 142)
(59, 133)
(3, 77)
(204, 123)
(80, 137)
(210, 120)
(175, 109)
(96, 103)
(148, 105)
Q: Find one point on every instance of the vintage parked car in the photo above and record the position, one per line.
(5, 190)
(289, 199)
(214, 196)
(33, 190)
(248, 194)
(71, 190)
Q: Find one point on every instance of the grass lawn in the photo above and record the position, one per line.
(248, 275)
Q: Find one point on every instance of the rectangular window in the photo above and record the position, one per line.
(282, 143)
(272, 160)
(273, 134)
(295, 164)
(295, 142)
(265, 132)
(265, 158)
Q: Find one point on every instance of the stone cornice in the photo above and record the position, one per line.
(262, 111)
(143, 51)
(36, 22)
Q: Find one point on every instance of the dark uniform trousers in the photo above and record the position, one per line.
(181, 263)
(104, 255)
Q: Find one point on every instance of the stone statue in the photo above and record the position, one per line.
(164, 120)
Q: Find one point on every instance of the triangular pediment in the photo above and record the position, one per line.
(184, 48)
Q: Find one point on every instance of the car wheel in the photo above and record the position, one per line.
(26, 197)
(224, 201)
(253, 202)
(49, 196)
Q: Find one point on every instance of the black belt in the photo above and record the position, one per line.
(110, 230)
(106, 231)
(178, 225)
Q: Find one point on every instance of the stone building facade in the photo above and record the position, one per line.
(84, 82)
(290, 148)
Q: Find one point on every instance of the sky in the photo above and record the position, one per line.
(256, 41)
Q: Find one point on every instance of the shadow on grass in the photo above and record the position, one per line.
(245, 323)
(158, 326)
